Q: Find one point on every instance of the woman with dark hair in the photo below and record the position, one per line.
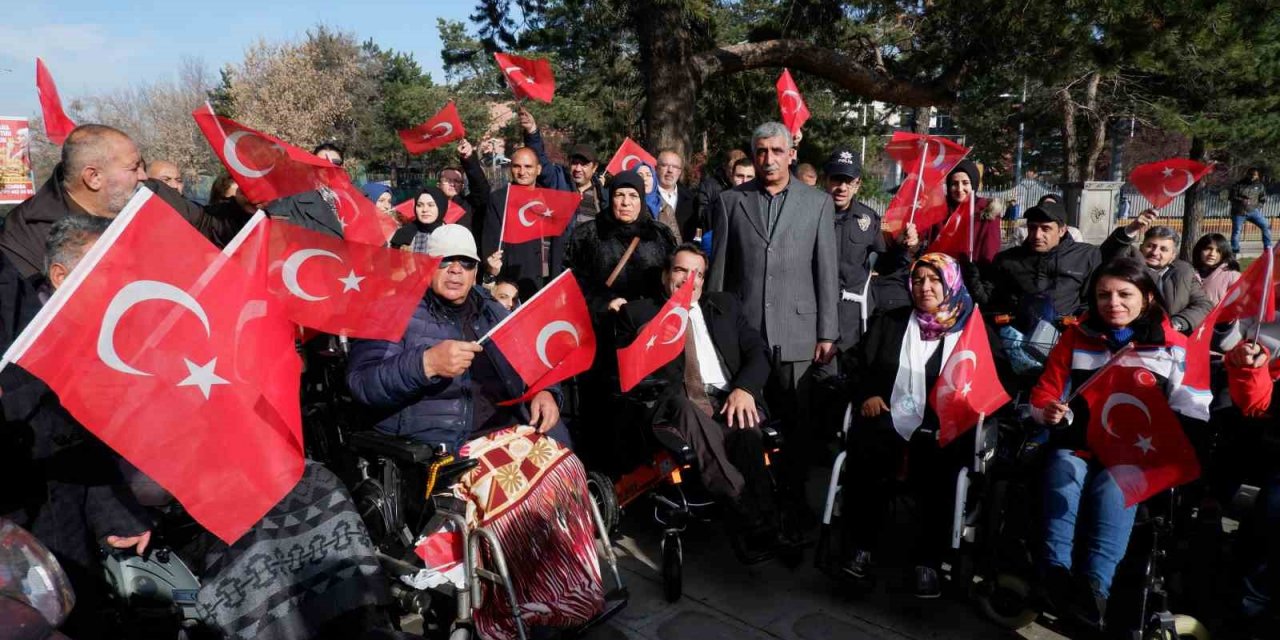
(893, 368)
(1125, 308)
(428, 213)
(1216, 265)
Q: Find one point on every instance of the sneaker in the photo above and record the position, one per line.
(927, 586)
(859, 566)
(1089, 607)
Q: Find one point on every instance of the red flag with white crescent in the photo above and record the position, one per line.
(360, 218)
(968, 385)
(1136, 435)
(549, 338)
(629, 156)
(533, 213)
(1161, 182)
(794, 111)
(659, 342)
(441, 129)
(168, 352)
(265, 167)
(528, 77)
(921, 198)
(956, 237)
(57, 125)
(1252, 296)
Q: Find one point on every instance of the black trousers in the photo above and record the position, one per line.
(730, 460)
(878, 460)
(790, 394)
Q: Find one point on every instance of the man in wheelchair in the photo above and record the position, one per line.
(436, 385)
(711, 400)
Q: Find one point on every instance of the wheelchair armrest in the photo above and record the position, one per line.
(772, 438)
(395, 447)
(449, 473)
(671, 441)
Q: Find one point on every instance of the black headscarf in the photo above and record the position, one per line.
(442, 205)
(644, 225)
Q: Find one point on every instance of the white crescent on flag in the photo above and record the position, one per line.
(795, 102)
(234, 161)
(129, 295)
(289, 272)
(520, 212)
(552, 328)
(948, 372)
(1115, 400)
(629, 159)
(448, 129)
(1190, 181)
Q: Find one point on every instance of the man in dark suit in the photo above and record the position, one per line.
(714, 399)
(775, 247)
(676, 196)
(529, 264)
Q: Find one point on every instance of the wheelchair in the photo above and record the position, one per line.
(657, 473)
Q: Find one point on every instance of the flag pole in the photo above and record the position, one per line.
(915, 202)
(506, 199)
(524, 305)
(973, 197)
(1098, 374)
(1266, 293)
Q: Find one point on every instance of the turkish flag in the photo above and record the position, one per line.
(968, 386)
(628, 157)
(532, 213)
(56, 123)
(528, 77)
(922, 196)
(1161, 182)
(794, 111)
(442, 552)
(360, 219)
(1136, 435)
(265, 167)
(336, 286)
(455, 212)
(444, 127)
(659, 342)
(1252, 296)
(956, 237)
(169, 353)
(549, 338)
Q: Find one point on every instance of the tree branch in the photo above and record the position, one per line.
(840, 68)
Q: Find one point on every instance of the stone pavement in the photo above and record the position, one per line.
(725, 600)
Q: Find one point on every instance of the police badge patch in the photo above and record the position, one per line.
(864, 222)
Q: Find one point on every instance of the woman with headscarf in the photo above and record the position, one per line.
(624, 239)
(962, 183)
(653, 201)
(428, 213)
(379, 194)
(894, 368)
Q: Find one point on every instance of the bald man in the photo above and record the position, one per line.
(522, 263)
(166, 172)
(100, 170)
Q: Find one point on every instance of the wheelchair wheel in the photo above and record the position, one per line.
(601, 489)
(1006, 601)
(672, 567)
(1185, 628)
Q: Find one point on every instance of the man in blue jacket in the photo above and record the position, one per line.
(437, 385)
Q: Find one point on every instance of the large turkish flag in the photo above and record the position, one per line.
(169, 353)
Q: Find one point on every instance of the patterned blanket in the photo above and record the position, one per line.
(306, 562)
(532, 493)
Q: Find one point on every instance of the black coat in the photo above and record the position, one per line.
(477, 198)
(60, 482)
(521, 263)
(686, 209)
(1019, 274)
(708, 193)
(26, 228)
(742, 351)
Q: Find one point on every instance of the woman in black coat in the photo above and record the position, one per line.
(594, 251)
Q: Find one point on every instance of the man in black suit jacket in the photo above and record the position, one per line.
(718, 408)
(677, 196)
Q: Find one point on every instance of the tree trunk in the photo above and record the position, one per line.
(1070, 147)
(671, 82)
(922, 116)
(1098, 128)
(1193, 204)
(674, 74)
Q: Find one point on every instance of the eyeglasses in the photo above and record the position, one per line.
(467, 264)
(452, 180)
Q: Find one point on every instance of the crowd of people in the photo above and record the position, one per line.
(802, 303)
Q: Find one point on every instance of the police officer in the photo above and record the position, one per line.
(858, 237)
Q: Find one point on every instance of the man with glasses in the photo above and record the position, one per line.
(437, 385)
(676, 196)
(467, 186)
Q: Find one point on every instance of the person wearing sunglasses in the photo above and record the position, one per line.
(437, 385)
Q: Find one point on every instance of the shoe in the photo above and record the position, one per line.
(1089, 607)
(755, 547)
(1056, 589)
(927, 586)
(858, 567)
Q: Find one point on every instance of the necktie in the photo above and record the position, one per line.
(694, 387)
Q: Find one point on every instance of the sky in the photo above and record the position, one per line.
(93, 47)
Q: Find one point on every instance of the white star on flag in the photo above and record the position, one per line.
(964, 391)
(1167, 172)
(1144, 443)
(351, 282)
(202, 376)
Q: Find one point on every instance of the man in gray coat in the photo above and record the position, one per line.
(775, 248)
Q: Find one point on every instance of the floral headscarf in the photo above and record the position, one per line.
(956, 303)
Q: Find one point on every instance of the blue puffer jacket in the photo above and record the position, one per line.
(388, 376)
